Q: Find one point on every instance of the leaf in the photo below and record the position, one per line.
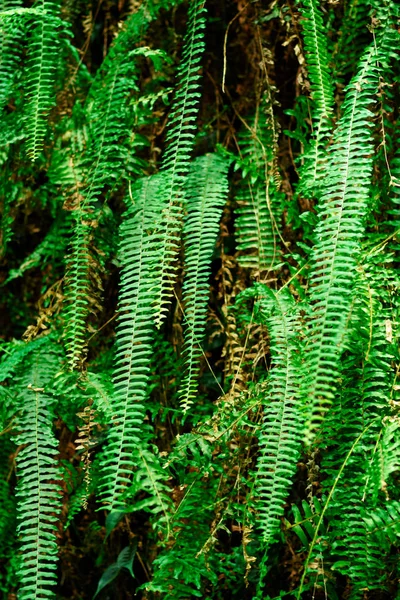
(112, 520)
(124, 561)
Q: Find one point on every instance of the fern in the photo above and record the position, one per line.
(317, 55)
(179, 140)
(353, 37)
(206, 192)
(40, 69)
(10, 51)
(38, 492)
(195, 489)
(384, 524)
(258, 197)
(104, 160)
(344, 205)
(139, 255)
(363, 403)
(281, 430)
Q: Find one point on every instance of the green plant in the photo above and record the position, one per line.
(199, 359)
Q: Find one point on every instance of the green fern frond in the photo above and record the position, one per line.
(38, 492)
(105, 159)
(258, 198)
(315, 43)
(322, 100)
(366, 384)
(179, 140)
(140, 252)
(206, 194)
(384, 524)
(10, 51)
(281, 431)
(150, 478)
(40, 74)
(344, 205)
(15, 353)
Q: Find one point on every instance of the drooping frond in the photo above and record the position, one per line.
(139, 252)
(38, 492)
(315, 45)
(322, 100)
(40, 73)
(258, 198)
(344, 205)
(179, 140)
(10, 50)
(206, 193)
(367, 375)
(111, 123)
(281, 431)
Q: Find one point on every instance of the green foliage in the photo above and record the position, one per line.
(258, 212)
(281, 432)
(40, 73)
(9, 51)
(179, 140)
(317, 54)
(341, 221)
(125, 560)
(139, 257)
(206, 192)
(199, 366)
(38, 491)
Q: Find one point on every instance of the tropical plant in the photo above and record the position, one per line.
(199, 350)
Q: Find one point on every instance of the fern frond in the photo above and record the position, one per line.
(38, 493)
(258, 197)
(322, 100)
(342, 213)
(105, 158)
(140, 252)
(384, 524)
(10, 51)
(366, 384)
(281, 431)
(206, 193)
(179, 140)
(40, 70)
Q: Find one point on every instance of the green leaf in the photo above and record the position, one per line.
(124, 561)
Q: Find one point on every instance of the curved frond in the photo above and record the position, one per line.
(38, 491)
(343, 209)
(322, 100)
(40, 69)
(282, 427)
(139, 253)
(179, 140)
(206, 193)
(106, 156)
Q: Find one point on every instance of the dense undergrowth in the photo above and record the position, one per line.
(199, 299)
